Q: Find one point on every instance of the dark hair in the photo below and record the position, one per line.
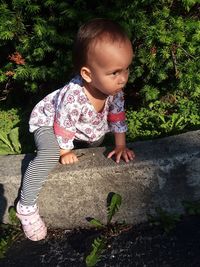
(90, 33)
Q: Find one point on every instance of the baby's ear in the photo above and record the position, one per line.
(86, 74)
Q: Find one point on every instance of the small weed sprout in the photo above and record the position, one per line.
(164, 219)
(10, 232)
(192, 207)
(114, 201)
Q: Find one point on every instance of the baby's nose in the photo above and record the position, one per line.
(123, 78)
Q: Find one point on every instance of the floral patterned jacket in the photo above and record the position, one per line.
(72, 116)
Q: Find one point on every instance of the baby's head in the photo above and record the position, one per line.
(102, 53)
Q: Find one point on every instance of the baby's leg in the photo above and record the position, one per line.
(47, 157)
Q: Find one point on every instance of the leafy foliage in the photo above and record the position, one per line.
(9, 144)
(9, 133)
(165, 74)
(165, 35)
(13, 137)
(172, 115)
(35, 41)
(8, 119)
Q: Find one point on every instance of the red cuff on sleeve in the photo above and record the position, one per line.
(62, 132)
(116, 117)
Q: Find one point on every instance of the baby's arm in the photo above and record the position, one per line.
(120, 149)
(67, 156)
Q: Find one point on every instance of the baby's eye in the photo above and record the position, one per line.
(115, 73)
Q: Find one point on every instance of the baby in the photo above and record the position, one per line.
(84, 110)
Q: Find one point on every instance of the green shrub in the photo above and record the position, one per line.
(165, 74)
(36, 39)
(162, 118)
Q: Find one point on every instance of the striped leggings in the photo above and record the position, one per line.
(48, 154)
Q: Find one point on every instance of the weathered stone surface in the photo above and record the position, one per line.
(165, 172)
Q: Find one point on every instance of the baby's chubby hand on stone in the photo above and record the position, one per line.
(122, 152)
(67, 157)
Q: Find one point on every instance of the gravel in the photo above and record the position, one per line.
(142, 246)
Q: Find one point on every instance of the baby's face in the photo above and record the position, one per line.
(109, 65)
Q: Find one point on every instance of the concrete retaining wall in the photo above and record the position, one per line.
(165, 172)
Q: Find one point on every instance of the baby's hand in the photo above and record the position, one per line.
(121, 151)
(68, 158)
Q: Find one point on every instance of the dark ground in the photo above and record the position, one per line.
(141, 246)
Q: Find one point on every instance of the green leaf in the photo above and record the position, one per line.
(14, 138)
(96, 223)
(97, 247)
(4, 149)
(5, 140)
(12, 217)
(114, 205)
(21, 73)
